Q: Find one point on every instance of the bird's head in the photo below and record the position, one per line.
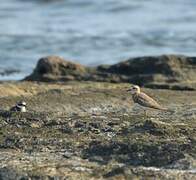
(134, 89)
(22, 103)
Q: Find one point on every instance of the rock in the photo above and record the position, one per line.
(155, 127)
(173, 86)
(166, 68)
(59, 138)
(172, 71)
(9, 173)
(136, 154)
(54, 68)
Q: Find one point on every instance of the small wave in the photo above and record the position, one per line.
(8, 72)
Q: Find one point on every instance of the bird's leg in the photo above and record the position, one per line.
(145, 112)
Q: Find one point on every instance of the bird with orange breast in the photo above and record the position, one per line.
(143, 99)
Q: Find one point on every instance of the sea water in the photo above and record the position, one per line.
(92, 32)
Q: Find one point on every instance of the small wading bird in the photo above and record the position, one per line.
(143, 99)
(19, 107)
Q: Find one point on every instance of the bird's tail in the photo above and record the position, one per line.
(167, 109)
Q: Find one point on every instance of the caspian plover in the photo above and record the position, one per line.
(19, 107)
(143, 99)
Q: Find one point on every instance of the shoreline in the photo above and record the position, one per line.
(92, 130)
(175, 72)
(74, 128)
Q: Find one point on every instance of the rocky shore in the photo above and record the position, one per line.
(81, 122)
(164, 72)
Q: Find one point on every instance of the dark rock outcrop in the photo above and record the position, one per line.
(55, 68)
(172, 71)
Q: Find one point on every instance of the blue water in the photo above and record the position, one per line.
(92, 32)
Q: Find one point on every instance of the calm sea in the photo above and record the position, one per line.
(92, 32)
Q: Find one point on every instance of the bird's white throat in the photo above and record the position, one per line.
(23, 109)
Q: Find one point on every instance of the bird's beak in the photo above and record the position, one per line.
(128, 90)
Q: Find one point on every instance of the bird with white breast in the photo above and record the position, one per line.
(19, 107)
(143, 99)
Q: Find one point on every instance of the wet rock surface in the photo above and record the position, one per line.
(164, 72)
(93, 131)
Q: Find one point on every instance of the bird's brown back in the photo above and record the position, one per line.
(145, 100)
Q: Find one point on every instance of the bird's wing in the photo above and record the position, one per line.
(13, 108)
(147, 101)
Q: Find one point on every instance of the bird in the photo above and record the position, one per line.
(143, 99)
(19, 107)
